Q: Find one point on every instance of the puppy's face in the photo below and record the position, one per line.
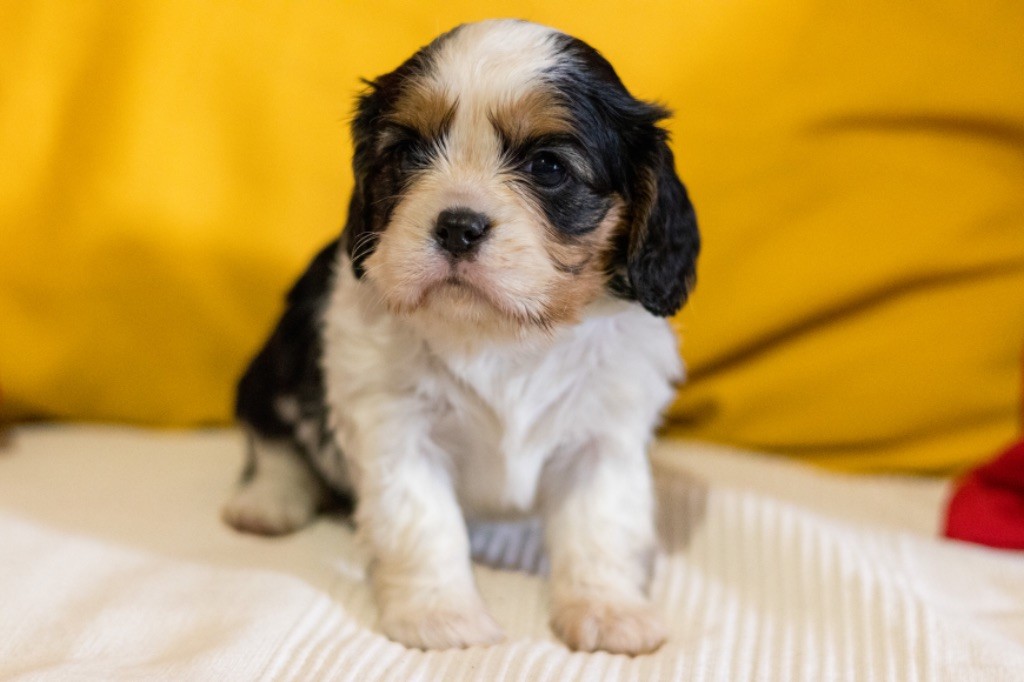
(505, 177)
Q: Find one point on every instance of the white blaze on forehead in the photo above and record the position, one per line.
(493, 59)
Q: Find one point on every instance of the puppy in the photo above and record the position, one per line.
(486, 338)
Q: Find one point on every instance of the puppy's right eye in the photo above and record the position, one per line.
(405, 149)
(405, 155)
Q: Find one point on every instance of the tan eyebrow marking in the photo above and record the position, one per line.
(534, 114)
(428, 111)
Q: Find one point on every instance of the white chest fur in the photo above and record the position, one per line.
(497, 416)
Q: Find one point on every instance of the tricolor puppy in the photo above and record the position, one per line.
(486, 338)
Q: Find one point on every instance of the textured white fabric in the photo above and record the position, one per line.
(114, 565)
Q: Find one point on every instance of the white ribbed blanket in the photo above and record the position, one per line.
(114, 565)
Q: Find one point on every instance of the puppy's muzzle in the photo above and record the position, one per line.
(459, 231)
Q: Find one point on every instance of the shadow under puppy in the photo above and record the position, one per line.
(486, 338)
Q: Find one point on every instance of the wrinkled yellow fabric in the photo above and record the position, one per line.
(858, 170)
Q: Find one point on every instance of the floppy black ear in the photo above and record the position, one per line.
(359, 236)
(661, 258)
(664, 241)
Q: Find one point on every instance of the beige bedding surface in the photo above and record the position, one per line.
(114, 565)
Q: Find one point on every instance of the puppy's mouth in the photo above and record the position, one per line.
(459, 292)
(455, 285)
(463, 294)
(454, 280)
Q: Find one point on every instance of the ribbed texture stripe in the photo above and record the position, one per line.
(752, 589)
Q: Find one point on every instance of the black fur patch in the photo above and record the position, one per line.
(288, 367)
(289, 362)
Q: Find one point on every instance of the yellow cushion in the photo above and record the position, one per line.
(168, 168)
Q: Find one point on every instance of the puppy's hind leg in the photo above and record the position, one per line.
(279, 492)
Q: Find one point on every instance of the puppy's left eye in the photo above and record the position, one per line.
(547, 170)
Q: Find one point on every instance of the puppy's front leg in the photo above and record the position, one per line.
(599, 523)
(421, 572)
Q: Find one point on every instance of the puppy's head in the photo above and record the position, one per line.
(506, 177)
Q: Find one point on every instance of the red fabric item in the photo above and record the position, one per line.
(988, 505)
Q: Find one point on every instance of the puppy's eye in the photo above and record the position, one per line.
(547, 170)
(408, 155)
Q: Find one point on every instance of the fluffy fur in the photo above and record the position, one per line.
(486, 338)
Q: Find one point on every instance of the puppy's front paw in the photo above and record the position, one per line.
(268, 510)
(592, 625)
(441, 627)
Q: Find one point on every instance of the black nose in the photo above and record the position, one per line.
(460, 230)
